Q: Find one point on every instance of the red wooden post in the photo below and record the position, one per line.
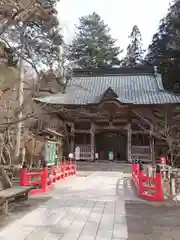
(140, 178)
(66, 169)
(159, 185)
(135, 171)
(44, 178)
(54, 173)
(69, 168)
(74, 166)
(58, 172)
(23, 180)
(63, 169)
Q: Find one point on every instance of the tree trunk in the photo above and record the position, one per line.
(20, 99)
(5, 179)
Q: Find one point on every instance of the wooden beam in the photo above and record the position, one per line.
(152, 147)
(82, 131)
(129, 142)
(124, 120)
(117, 128)
(72, 138)
(139, 132)
(110, 103)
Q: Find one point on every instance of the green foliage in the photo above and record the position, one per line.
(135, 52)
(93, 46)
(164, 51)
(38, 37)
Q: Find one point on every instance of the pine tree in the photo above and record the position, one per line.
(134, 50)
(38, 37)
(93, 46)
(164, 50)
(161, 41)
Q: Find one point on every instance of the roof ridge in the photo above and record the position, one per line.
(115, 74)
(113, 71)
(137, 89)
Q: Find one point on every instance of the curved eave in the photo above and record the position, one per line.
(58, 98)
(128, 97)
(118, 101)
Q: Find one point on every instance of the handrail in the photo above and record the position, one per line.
(46, 178)
(149, 187)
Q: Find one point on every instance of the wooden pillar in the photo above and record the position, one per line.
(72, 138)
(129, 142)
(166, 118)
(92, 132)
(152, 147)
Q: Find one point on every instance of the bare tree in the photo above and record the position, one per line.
(33, 25)
(163, 124)
(17, 19)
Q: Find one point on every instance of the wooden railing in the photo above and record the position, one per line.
(141, 153)
(148, 187)
(85, 151)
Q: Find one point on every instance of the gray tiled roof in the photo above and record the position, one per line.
(136, 89)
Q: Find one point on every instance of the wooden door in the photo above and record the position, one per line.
(115, 142)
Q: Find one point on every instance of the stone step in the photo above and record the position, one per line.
(130, 193)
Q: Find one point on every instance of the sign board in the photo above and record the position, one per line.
(50, 153)
(111, 156)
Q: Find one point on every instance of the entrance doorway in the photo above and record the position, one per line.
(112, 141)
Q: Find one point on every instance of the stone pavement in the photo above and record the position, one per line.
(83, 208)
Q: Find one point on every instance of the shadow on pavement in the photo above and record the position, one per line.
(20, 208)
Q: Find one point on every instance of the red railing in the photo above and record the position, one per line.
(148, 187)
(46, 178)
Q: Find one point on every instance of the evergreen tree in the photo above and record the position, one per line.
(39, 37)
(160, 47)
(135, 52)
(164, 51)
(93, 46)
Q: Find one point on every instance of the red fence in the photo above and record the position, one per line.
(148, 187)
(45, 179)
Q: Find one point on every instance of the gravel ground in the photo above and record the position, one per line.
(152, 222)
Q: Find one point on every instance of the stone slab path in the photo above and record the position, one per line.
(83, 208)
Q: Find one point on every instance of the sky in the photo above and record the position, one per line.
(120, 15)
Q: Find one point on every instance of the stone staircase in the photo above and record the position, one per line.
(102, 166)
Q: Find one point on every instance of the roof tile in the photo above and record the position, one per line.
(136, 89)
